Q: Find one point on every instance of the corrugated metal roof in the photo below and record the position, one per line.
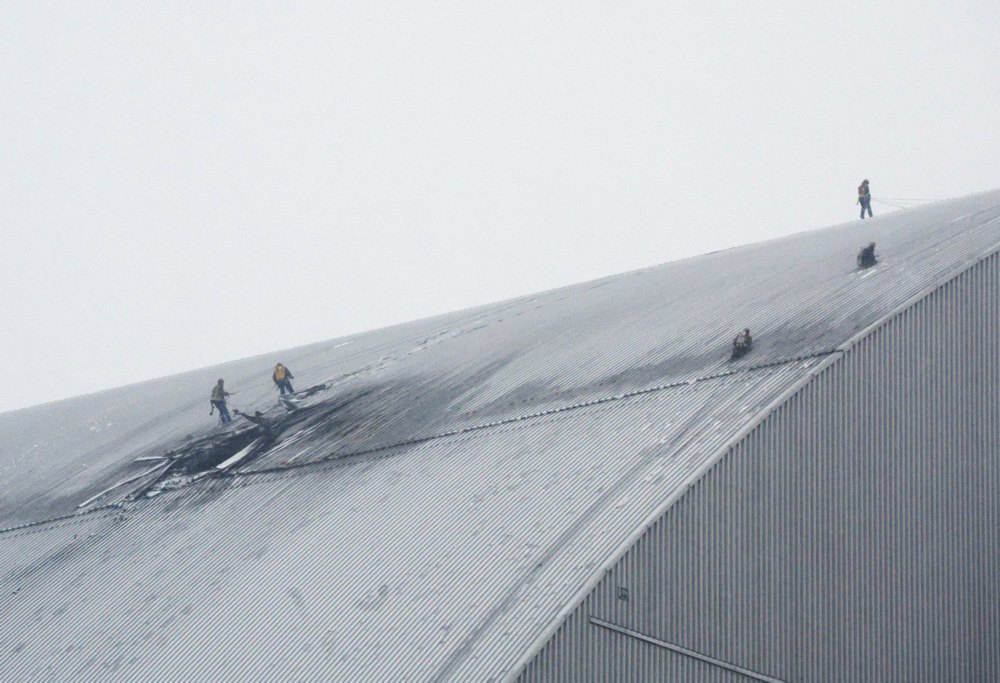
(436, 508)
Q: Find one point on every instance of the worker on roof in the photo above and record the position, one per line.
(281, 378)
(866, 257)
(742, 344)
(218, 400)
(865, 199)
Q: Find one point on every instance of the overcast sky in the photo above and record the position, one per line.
(184, 183)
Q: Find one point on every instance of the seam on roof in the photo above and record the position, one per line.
(573, 604)
(350, 458)
(528, 416)
(509, 596)
(50, 522)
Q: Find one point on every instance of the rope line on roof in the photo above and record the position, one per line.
(903, 199)
(901, 203)
(260, 398)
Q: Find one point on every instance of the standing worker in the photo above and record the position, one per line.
(281, 378)
(218, 400)
(865, 199)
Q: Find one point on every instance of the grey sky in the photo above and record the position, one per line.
(192, 182)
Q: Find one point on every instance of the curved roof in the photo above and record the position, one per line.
(437, 506)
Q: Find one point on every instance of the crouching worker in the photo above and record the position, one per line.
(281, 378)
(866, 257)
(218, 400)
(742, 344)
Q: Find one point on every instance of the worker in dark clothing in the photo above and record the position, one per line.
(865, 199)
(866, 257)
(742, 344)
(218, 400)
(281, 378)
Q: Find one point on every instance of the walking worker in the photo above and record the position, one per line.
(281, 378)
(218, 400)
(865, 199)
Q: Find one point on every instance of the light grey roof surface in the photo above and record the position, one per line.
(448, 496)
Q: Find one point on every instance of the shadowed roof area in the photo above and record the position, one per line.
(450, 486)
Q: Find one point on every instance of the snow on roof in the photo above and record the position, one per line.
(453, 488)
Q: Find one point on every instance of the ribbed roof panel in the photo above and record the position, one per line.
(434, 509)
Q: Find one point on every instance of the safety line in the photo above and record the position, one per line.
(895, 203)
(901, 199)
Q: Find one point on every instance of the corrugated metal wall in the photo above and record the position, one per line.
(852, 536)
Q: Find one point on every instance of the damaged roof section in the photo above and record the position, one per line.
(362, 564)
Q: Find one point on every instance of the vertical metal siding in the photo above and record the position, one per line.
(851, 536)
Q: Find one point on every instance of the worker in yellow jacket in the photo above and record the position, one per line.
(281, 378)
